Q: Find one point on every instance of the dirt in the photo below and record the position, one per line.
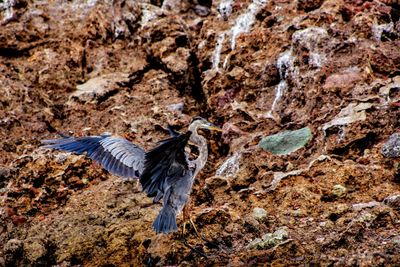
(255, 68)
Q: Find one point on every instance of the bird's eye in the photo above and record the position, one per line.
(197, 118)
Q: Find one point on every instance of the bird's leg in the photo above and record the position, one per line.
(209, 243)
(184, 241)
(137, 186)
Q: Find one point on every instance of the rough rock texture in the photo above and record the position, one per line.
(256, 68)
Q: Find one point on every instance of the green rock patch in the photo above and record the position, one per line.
(286, 142)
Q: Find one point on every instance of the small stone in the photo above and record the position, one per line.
(202, 11)
(396, 240)
(176, 107)
(327, 224)
(350, 114)
(297, 213)
(269, 240)
(61, 157)
(360, 206)
(339, 191)
(341, 208)
(225, 9)
(230, 167)
(259, 214)
(391, 149)
(367, 217)
(342, 81)
(34, 250)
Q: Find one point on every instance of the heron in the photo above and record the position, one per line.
(165, 172)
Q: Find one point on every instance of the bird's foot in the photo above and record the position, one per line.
(209, 243)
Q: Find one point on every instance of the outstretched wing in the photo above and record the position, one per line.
(164, 164)
(117, 155)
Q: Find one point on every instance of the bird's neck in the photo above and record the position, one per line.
(201, 143)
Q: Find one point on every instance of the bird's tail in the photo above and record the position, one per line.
(165, 221)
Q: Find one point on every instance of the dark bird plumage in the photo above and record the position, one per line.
(166, 169)
(164, 172)
(165, 162)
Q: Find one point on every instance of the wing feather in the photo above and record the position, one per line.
(164, 162)
(117, 155)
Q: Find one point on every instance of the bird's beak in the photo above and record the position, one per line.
(213, 127)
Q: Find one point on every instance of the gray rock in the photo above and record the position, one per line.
(176, 107)
(396, 240)
(391, 149)
(230, 167)
(259, 214)
(202, 11)
(392, 201)
(98, 88)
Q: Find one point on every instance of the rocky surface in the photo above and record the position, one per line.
(256, 68)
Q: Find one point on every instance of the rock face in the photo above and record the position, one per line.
(254, 67)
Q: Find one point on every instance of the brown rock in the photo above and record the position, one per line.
(308, 5)
(216, 182)
(342, 82)
(385, 58)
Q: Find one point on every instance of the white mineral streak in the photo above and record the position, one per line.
(246, 20)
(285, 65)
(311, 39)
(242, 24)
(216, 58)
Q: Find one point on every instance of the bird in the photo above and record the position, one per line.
(165, 172)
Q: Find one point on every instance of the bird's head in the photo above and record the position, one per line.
(201, 123)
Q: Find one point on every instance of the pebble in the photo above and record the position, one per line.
(259, 214)
(339, 190)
